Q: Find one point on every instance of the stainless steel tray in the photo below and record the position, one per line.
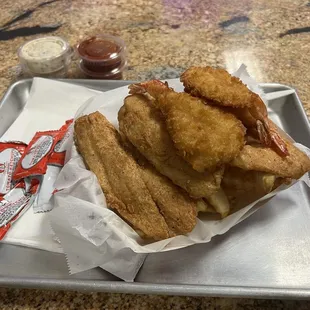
(258, 258)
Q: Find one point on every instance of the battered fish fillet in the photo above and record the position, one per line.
(178, 209)
(144, 126)
(217, 85)
(244, 187)
(119, 175)
(206, 136)
(260, 158)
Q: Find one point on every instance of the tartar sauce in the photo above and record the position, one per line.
(44, 55)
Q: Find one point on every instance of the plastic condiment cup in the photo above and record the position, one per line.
(45, 56)
(103, 56)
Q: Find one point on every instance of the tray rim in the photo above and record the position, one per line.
(151, 288)
(155, 289)
(85, 81)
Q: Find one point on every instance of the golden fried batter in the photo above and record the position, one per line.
(144, 126)
(217, 85)
(244, 187)
(260, 158)
(118, 174)
(178, 209)
(206, 136)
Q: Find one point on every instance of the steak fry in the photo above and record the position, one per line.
(143, 125)
(119, 175)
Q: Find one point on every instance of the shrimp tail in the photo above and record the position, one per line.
(269, 136)
(277, 140)
(137, 89)
(154, 88)
(267, 131)
(263, 135)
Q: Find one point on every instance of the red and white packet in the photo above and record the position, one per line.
(55, 162)
(35, 157)
(10, 154)
(26, 169)
(16, 202)
(58, 154)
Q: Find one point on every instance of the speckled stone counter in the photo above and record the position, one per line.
(51, 300)
(164, 37)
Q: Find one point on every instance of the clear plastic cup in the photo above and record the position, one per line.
(103, 57)
(46, 56)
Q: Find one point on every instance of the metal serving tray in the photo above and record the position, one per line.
(267, 255)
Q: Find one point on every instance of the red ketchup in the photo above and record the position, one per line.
(103, 57)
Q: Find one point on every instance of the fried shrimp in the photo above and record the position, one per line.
(205, 136)
(225, 90)
(144, 127)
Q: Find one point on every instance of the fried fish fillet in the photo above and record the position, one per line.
(172, 191)
(178, 209)
(119, 175)
(144, 126)
(206, 136)
(217, 85)
(260, 158)
(244, 187)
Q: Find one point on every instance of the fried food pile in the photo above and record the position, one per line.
(147, 200)
(210, 149)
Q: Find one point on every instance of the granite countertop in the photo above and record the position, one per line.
(53, 300)
(164, 37)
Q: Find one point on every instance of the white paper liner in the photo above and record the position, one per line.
(88, 231)
(49, 105)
